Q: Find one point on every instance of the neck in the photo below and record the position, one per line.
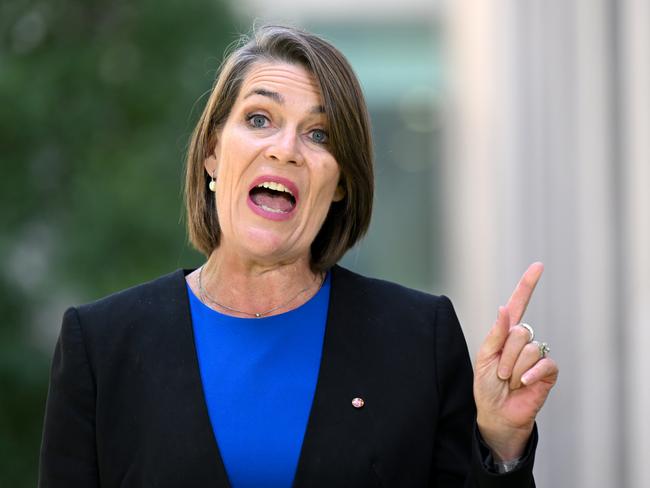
(245, 288)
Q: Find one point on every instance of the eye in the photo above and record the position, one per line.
(319, 136)
(257, 121)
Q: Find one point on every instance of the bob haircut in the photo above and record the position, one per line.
(349, 138)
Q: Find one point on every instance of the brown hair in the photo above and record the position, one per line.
(349, 138)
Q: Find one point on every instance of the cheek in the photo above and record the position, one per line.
(329, 179)
(236, 154)
(333, 177)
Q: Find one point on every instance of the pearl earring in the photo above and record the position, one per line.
(213, 183)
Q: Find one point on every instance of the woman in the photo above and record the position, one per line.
(270, 365)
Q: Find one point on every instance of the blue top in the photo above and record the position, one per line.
(259, 377)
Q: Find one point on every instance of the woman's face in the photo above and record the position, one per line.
(276, 177)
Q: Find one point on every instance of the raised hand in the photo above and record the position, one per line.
(512, 376)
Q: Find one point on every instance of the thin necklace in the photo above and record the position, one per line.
(205, 295)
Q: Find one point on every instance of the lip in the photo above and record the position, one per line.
(272, 215)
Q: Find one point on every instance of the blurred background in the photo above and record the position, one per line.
(506, 131)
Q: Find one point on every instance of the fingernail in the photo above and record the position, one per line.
(503, 373)
(525, 379)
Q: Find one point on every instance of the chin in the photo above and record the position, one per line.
(266, 243)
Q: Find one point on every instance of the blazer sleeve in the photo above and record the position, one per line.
(458, 456)
(68, 456)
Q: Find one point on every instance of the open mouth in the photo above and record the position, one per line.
(273, 199)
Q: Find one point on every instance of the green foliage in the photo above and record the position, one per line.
(97, 100)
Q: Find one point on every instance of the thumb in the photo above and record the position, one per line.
(496, 339)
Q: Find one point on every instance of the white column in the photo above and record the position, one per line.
(634, 29)
(471, 217)
(597, 352)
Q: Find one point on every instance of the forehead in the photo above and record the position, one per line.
(284, 78)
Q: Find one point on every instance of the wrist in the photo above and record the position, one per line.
(507, 444)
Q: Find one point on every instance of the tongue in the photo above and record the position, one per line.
(275, 201)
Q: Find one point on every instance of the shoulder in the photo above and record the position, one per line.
(382, 293)
(170, 287)
(126, 310)
(386, 319)
(384, 302)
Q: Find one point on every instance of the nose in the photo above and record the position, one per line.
(285, 147)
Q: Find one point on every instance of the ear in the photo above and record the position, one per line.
(339, 193)
(210, 163)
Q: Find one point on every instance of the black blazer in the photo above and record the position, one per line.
(126, 408)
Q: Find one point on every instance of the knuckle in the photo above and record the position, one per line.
(547, 367)
(520, 334)
(532, 349)
(548, 363)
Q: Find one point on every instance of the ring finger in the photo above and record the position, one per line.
(529, 356)
(518, 337)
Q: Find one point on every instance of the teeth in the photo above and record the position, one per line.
(273, 210)
(272, 185)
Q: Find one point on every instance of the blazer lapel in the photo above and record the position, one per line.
(192, 438)
(336, 436)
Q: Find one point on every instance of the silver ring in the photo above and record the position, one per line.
(543, 349)
(529, 329)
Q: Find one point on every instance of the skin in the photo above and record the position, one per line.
(277, 127)
(511, 382)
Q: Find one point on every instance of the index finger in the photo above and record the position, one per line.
(519, 299)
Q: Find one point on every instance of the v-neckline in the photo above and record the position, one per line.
(346, 371)
(274, 363)
(313, 416)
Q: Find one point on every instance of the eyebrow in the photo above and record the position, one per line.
(276, 97)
